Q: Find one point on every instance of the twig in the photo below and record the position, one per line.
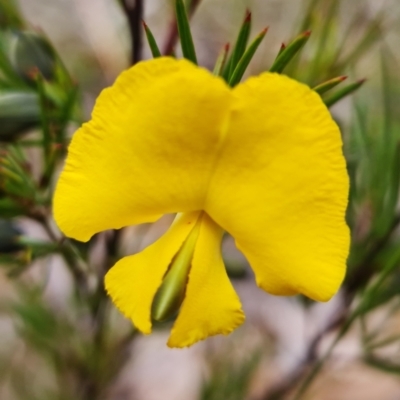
(134, 13)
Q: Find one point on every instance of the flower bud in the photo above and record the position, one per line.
(9, 235)
(19, 111)
(30, 52)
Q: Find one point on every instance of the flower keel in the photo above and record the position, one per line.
(140, 288)
(134, 280)
(171, 293)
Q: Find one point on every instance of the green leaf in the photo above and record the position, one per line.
(19, 111)
(6, 68)
(384, 365)
(46, 133)
(15, 175)
(289, 52)
(9, 235)
(66, 112)
(328, 85)
(221, 60)
(340, 94)
(240, 46)
(38, 248)
(151, 41)
(283, 47)
(246, 58)
(19, 104)
(9, 209)
(372, 35)
(184, 32)
(325, 40)
(9, 15)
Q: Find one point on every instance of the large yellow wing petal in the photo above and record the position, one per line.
(148, 149)
(280, 187)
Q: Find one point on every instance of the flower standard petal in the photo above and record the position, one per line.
(211, 305)
(280, 187)
(147, 151)
(133, 282)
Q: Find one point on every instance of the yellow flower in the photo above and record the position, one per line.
(262, 161)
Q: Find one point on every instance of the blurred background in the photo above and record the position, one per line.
(61, 338)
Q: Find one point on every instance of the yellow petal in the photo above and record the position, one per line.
(281, 187)
(147, 151)
(133, 281)
(211, 305)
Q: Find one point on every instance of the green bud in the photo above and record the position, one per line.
(19, 111)
(29, 53)
(9, 235)
(170, 295)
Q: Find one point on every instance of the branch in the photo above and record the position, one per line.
(134, 13)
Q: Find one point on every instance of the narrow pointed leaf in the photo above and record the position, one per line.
(325, 40)
(46, 133)
(283, 47)
(369, 38)
(340, 94)
(395, 186)
(289, 52)
(246, 58)
(9, 208)
(240, 45)
(184, 32)
(328, 85)
(155, 51)
(221, 60)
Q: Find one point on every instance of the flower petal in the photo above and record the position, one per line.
(133, 281)
(281, 187)
(211, 305)
(147, 151)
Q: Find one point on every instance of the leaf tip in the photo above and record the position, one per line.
(248, 16)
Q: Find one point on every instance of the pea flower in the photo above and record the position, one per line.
(262, 161)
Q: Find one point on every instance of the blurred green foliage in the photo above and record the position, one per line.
(39, 101)
(230, 379)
